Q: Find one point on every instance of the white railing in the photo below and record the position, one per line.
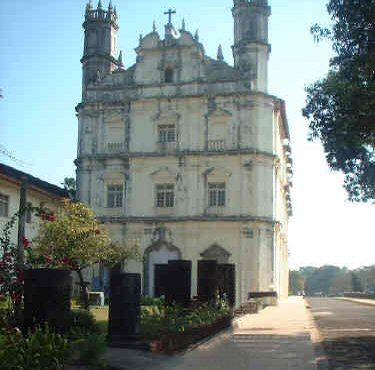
(216, 145)
(115, 147)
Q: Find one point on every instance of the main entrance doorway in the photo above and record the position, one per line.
(156, 257)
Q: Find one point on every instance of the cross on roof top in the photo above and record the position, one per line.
(169, 13)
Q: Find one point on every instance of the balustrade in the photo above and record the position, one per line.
(216, 145)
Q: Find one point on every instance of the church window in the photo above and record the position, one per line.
(216, 194)
(168, 75)
(115, 196)
(167, 133)
(4, 205)
(164, 196)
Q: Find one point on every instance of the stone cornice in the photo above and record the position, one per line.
(180, 153)
(201, 218)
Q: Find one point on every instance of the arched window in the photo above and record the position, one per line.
(168, 75)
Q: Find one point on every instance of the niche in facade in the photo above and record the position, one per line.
(114, 134)
(219, 137)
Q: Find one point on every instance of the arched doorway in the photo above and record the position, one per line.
(156, 254)
(217, 253)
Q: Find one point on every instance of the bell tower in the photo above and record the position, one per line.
(100, 44)
(251, 48)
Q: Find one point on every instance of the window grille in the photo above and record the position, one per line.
(164, 196)
(216, 195)
(167, 133)
(4, 205)
(115, 196)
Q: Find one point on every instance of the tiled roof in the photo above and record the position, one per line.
(12, 173)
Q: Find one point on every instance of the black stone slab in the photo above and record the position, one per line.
(124, 308)
(179, 282)
(160, 280)
(47, 299)
(207, 281)
(226, 282)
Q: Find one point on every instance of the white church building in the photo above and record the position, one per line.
(185, 153)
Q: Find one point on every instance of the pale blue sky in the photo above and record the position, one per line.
(41, 43)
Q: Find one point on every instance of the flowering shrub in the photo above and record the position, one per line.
(75, 240)
(11, 275)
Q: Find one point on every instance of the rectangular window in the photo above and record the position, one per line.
(115, 196)
(167, 134)
(216, 194)
(164, 196)
(28, 213)
(4, 205)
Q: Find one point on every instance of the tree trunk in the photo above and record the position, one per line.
(84, 296)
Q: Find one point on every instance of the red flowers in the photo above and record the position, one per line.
(47, 217)
(97, 231)
(20, 276)
(48, 259)
(16, 296)
(66, 261)
(25, 242)
(51, 218)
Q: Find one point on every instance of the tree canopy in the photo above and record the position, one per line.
(74, 239)
(341, 107)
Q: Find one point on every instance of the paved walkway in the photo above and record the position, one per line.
(276, 338)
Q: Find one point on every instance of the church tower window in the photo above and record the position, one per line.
(115, 196)
(167, 133)
(216, 194)
(169, 75)
(164, 196)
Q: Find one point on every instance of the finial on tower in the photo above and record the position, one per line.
(110, 8)
(120, 63)
(153, 26)
(196, 36)
(183, 26)
(140, 38)
(220, 56)
(100, 4)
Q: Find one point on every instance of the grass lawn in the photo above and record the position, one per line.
(101, 317)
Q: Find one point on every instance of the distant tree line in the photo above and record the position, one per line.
(331, 280)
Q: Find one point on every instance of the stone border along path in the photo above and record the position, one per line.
(277, 338)
(366, 302)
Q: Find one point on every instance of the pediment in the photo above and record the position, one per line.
(217, 172)
(166, 117)
(113, 117)
(164, 173)
(219, 115)
(215, 251)
(115, 177)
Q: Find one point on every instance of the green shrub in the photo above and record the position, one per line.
(150, 301)
(84, 320)
(160, 320)
(39, 350)
(91, 348)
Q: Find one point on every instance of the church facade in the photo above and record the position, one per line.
(186, 154)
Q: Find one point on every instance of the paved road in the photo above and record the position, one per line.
(348, 332)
